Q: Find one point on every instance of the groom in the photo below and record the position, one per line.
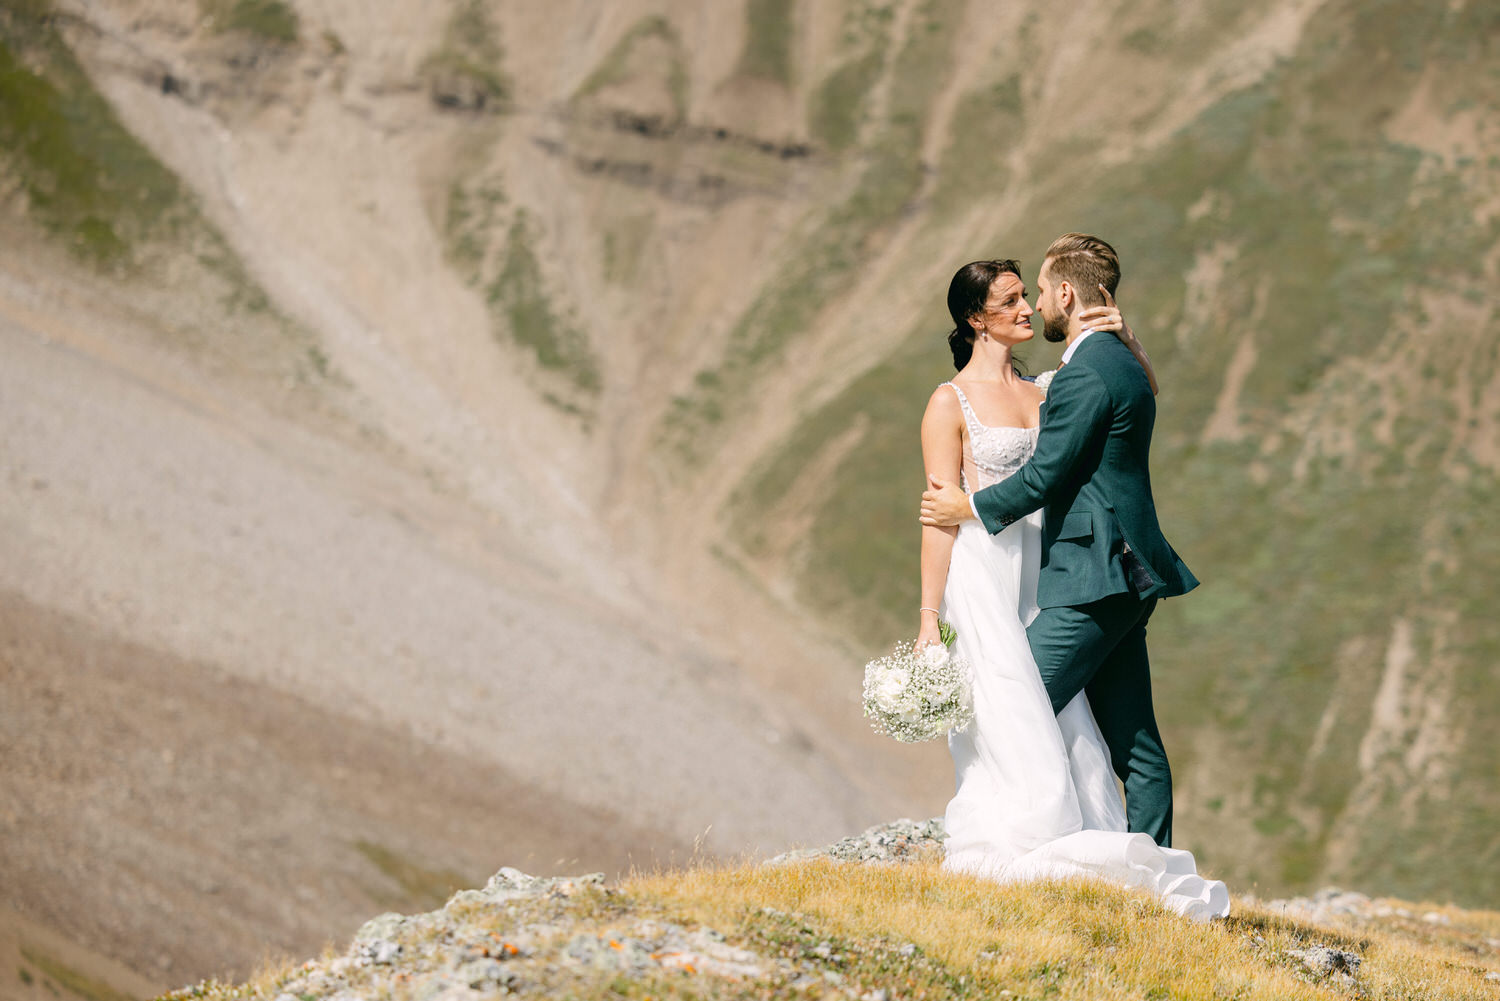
(1104, 559)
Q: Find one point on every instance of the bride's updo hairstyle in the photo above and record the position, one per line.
(967, 294)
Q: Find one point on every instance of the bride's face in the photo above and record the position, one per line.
(1007, 315)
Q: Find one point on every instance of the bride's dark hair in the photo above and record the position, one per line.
(967, 294)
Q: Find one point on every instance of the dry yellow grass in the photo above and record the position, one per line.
(1086, 939)
(1068, 940)
(826, 929)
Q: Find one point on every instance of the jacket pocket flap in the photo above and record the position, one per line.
(1078, 525)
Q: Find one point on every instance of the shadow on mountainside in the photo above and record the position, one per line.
(195, 823)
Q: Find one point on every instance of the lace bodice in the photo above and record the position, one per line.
(993, 453)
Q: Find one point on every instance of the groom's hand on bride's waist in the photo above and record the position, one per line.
(944, 504)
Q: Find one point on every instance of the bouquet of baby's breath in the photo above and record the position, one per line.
(919, 695)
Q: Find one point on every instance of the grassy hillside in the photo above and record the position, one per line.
(1335, 509)
(827, 256)
(73, 168)
(73, 174)
(1312, 282)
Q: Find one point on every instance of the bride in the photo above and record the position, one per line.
(1036, 793)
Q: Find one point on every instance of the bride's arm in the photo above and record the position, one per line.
(1127, 336)
(942, 455)
(1107, 317)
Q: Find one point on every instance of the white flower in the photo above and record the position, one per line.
(891, 687)
(1044, 380)
(934, 655)
(918, 695)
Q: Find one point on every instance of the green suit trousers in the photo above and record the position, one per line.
(1100, 648)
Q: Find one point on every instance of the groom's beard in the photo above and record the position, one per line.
(1054, 328)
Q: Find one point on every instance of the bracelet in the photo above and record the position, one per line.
(934, 611)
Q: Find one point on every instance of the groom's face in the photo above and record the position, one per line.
(1054, 322)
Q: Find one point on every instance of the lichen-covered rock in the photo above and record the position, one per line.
(378, 952)
(485, 974)
(514, 938)
(382, 927)
(1322, 961)
(512, 884)
(899, 841)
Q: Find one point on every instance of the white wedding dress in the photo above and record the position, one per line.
(1036, 795)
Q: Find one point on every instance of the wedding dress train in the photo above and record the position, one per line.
(1036, 794)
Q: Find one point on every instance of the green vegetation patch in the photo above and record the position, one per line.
(492, 245)
(623, 243)
(839, 103)
(519, 291)
(79, 173)
(270, 20)
(865, 537)
(770, 29)
(839, 240)
(471, 215)
(986, 123)
(467, 69)
(422, 885)
(71, 980)
(615, 68)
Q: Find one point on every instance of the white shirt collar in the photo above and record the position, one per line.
(1082, 336)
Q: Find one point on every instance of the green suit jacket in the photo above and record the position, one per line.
(1090, 475)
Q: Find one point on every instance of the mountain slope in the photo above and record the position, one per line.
(1308, 259)
(541, 384)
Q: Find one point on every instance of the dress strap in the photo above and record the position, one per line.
(973, 427)
(963, 402)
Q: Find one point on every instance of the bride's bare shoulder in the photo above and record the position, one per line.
(943, 405)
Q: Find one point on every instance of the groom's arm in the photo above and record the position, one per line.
(1077, 410)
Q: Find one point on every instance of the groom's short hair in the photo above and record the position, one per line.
(1085, 262)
